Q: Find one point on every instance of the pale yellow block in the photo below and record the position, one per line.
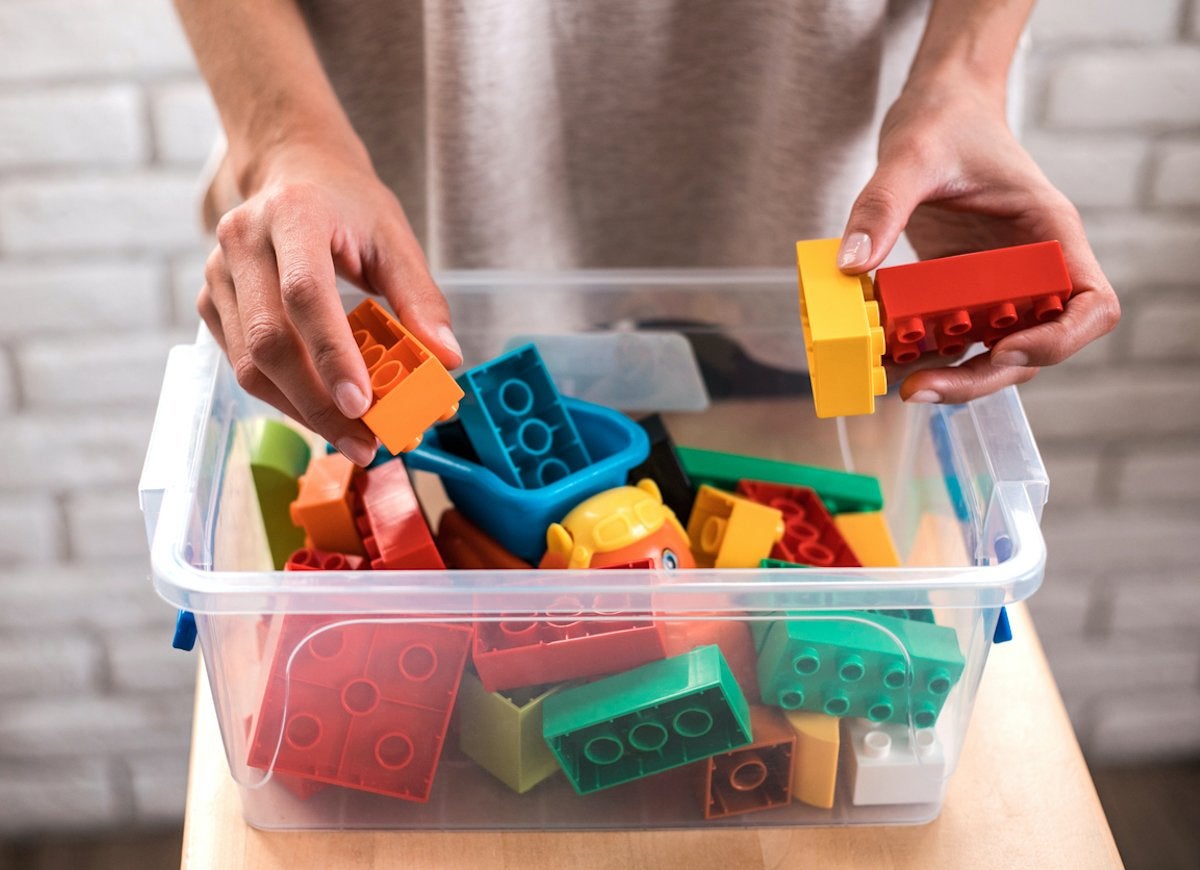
(815, 760)
(870, 538)
(842, 336)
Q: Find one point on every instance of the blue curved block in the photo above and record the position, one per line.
(516, 517)
(515, 420)
(185, 631)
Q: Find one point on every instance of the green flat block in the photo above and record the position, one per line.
(841, 491)
(857, 663)
(780, 563)
(654, 718)
(502, 733)
(278, 456)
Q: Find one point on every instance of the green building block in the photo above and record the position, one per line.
(278, 456)
(502, 733)
(654, 718)
(841, 491)
(857, 663)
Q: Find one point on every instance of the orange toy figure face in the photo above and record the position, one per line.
(616, 527)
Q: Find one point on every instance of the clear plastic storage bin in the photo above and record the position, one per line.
(721, 355)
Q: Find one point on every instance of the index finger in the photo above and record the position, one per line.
(308, 287)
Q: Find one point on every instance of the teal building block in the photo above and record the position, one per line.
(654, 718)
(842, 492)
(856, 663)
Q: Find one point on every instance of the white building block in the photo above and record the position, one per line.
(888, 764)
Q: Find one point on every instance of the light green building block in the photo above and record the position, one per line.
(502, 733)
(278, 456)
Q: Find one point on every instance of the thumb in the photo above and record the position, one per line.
(879, 216)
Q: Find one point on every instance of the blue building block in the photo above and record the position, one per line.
(1003, 633)
(185, 630)
(516, 517)
(515, 420)
(857, 663)
(657, 717)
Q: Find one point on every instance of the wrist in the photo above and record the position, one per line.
(285, 150)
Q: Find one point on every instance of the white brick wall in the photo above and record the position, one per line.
(103, 127)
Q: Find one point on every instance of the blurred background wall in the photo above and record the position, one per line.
(104, 125)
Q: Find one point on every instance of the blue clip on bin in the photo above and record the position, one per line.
(518, 518)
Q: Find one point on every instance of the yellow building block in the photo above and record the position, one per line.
(728, 531)
(870, 538)
(502, 733)
(815, 759)
(842, 336)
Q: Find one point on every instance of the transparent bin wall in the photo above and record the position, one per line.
(722, 356)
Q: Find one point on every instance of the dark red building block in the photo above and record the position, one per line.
(394, 532)
(359, 702)
(308, 559)
(754, 777)
(732, 635)
(948, 303)
(533, 649)
(463, 545)
(809, 534)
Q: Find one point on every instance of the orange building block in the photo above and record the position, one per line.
(464, 546)
(325, 506)
(411, 389)
(869, 537)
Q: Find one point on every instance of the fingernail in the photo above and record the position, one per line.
(356, 450)
(855, 251)
(350, 400)
(1010, 358)
(927, 396)
(446, 337)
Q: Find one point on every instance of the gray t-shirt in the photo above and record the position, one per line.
(535, 134)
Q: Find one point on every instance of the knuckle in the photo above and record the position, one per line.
(267, 342)
(249, 377)
(326, 356)
(299, 287)
(877, 199)
(233, 227)
(1110, 314)
(325, 418)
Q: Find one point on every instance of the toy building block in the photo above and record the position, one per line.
(731, 635)
(325, 506)
(654, 718)
(754, 777)
(360, 703)
(815, 759)
(309, 559)
(502, 733)
(842, 336)
(411, 389)
(278, 456)
(393, 529)
(185, 631)
(948, 303)
(810, 536)
(464, 546)
(891, 764)
(515, 420)
(855, 663)
(728, 531)
(565, 644)
(869, 538)
(665, 469)
(840, 491)
(618, 526)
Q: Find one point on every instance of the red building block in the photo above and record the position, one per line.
(731, 635)
(466, 547)
(309, 559)
(810, 536)
(948, 303)
(533, 649)
(325, 506)
(411, 389)
(393, 529)
(754, 777)
(360, 704)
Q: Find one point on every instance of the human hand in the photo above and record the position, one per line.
(270, 296)
(953, 176)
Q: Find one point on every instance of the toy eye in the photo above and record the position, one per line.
(669, 560)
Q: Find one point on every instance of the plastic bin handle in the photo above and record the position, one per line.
(183, 406)
(1007, 440)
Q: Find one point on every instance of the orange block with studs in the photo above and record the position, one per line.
(325, 505)
(410, 389)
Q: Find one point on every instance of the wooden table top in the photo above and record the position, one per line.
(1021, 797)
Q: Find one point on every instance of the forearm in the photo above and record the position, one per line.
(268, 84)
(970, 41)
